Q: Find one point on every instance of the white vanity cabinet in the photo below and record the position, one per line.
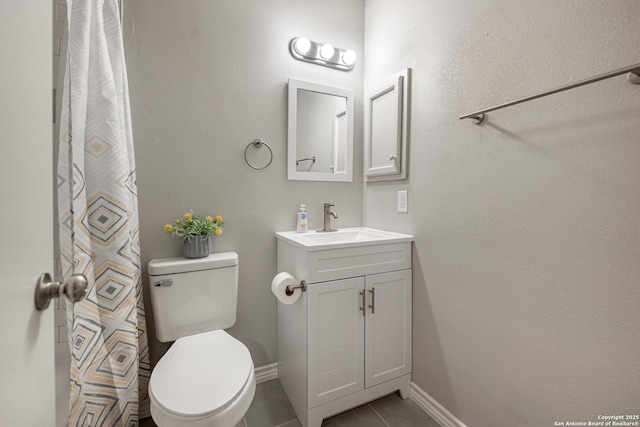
(347, 339)
(359, 334)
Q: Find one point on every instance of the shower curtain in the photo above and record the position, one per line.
(98, 221)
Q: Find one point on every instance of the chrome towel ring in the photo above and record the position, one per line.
(258, 143)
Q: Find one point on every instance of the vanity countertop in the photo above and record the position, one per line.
(343, 238)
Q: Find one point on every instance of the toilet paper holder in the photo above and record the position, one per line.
(290, 289)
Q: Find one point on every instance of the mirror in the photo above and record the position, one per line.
(320, 132)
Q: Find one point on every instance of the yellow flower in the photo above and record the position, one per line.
(168, 228)
(218, 218)
(187, 216)
(209, 219)
(218, 231)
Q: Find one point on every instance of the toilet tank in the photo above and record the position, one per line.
(191, 296)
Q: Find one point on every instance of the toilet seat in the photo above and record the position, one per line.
(202, 377)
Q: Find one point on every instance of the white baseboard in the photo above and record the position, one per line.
(432, 407)
(266, 373)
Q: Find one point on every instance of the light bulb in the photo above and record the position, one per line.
(327, 51)
(349, 57)
(302, 45)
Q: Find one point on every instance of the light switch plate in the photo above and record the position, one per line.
(403, 205)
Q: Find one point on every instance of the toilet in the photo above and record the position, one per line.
(206, 378)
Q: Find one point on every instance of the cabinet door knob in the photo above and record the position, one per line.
(362, 294)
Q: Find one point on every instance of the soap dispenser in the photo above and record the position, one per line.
(303, 226)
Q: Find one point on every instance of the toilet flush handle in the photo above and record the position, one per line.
(164, 283)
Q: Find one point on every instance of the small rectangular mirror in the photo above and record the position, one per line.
(320, 132)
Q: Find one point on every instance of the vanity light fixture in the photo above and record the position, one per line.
(325, 54)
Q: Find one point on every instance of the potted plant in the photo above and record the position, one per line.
(195, 233)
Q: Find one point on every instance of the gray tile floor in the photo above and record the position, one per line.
(271, 408)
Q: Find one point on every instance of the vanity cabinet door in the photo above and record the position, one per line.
(388, 326)
(335, 339)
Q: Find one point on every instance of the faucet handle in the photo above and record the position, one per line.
(328, 205)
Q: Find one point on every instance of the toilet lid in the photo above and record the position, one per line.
(200, 374)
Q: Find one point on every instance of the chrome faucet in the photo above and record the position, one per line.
(327, 218)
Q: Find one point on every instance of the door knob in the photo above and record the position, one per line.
(75, 289)
(392, 158)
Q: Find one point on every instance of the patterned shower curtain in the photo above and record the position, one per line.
(98, 221)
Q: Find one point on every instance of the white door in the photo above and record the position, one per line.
(335, 339)
(26, 218)
(388, 326)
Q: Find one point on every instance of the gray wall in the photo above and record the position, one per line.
(527, 251)
(206, 78)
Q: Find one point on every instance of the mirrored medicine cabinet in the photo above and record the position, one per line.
(387, 129)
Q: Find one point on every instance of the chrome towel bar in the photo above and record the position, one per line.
(311, 159)
(634, 77)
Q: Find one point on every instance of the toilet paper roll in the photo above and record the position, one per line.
(279, 287)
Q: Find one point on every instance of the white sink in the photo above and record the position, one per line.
(343, 238)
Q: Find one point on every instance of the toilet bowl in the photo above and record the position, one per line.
(206, 378)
